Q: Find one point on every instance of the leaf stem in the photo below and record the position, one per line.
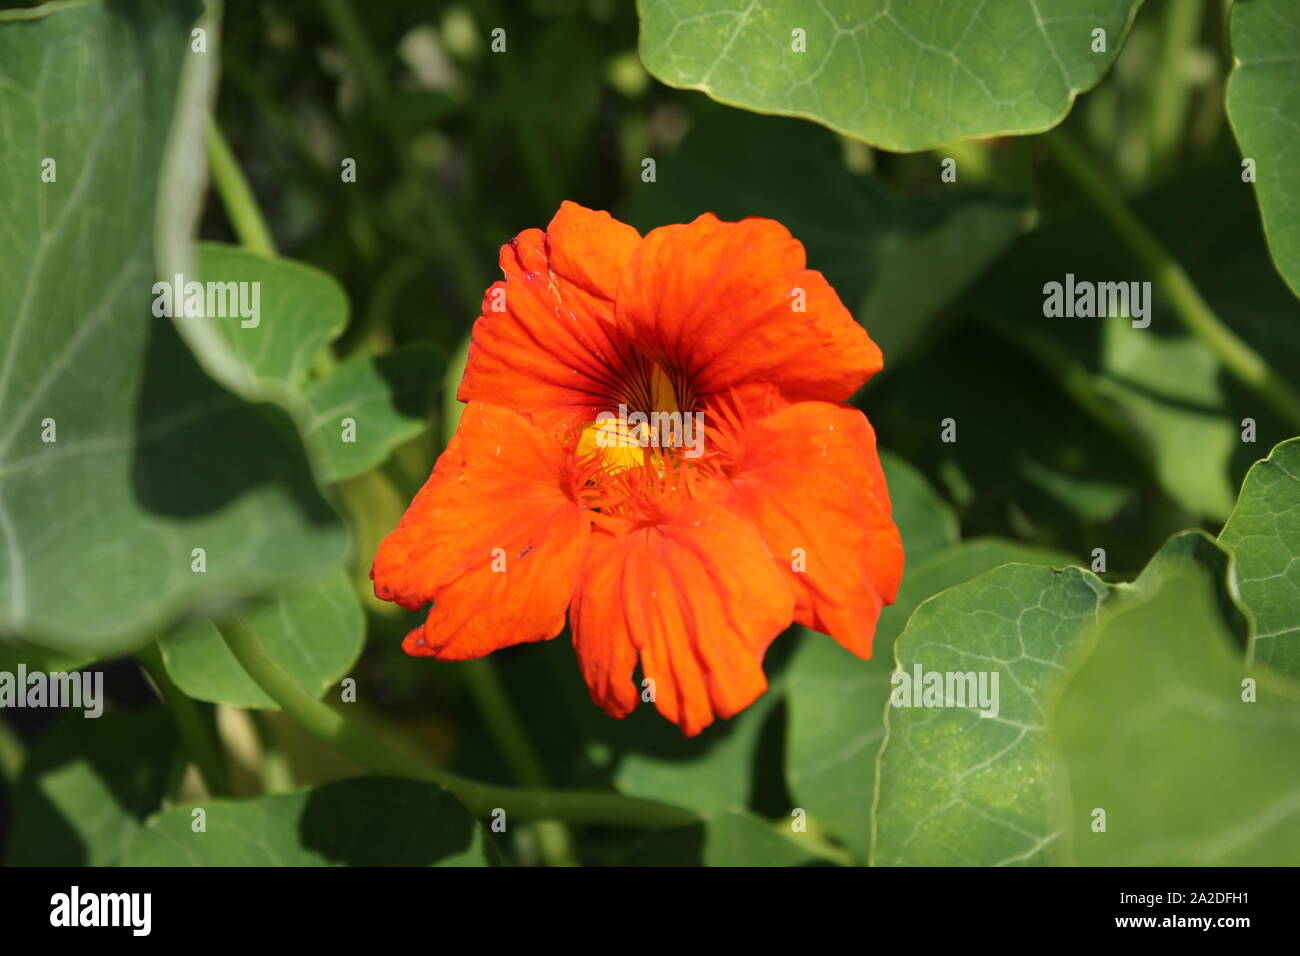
(196, 729)
(1172, 86)
(512, 740)
(382, 754)
(1237, 356)
(246, 217)
(237, 196)
(274, 769)
(44, 10)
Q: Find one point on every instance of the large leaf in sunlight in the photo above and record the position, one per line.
(902, 76)
(1263, 103)
(970, 779)
(1188, 764)
(118, 456)
(837, 702)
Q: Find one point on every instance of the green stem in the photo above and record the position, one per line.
(44, 10)
(196, 729)
(512, 740)
(236, 195)
(274, 770)
(1171, 92)
(381, 754)
(1237, 356)
(246, 216)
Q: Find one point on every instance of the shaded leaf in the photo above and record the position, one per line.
(1263, 535)
(925, 520)
(724, 839)
(300, 310)
(1163, 393)
(387, 398)
(37, 658)
(710, 772)
(87, 787)
(316, 634)
(368, 821)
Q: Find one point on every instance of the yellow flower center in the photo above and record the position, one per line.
(622, 446)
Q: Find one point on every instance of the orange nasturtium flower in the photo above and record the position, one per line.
(686, 545)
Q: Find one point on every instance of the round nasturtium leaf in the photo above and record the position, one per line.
(1263, 102)
(903, 76)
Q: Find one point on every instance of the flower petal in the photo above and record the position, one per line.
(720, 301)
(545, 342)
(697, 596)
(809, 478)
(494, 537)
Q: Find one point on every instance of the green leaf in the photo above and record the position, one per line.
(387, 398)
(711, 772)
(315, 634)
(37, 658)
(299, 310)
(837, 702)
(1263, 101)
(901, 76)
(724, 839)
(1155, 732)
(87, 787)
(1263, 535)
(925, 520)
(959, 788)
(368, 821)
(1151, 725)
(152, 460)
(875, 246)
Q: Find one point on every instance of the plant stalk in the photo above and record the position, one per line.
(1236, 355)
(382, 754)
(196, 729)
